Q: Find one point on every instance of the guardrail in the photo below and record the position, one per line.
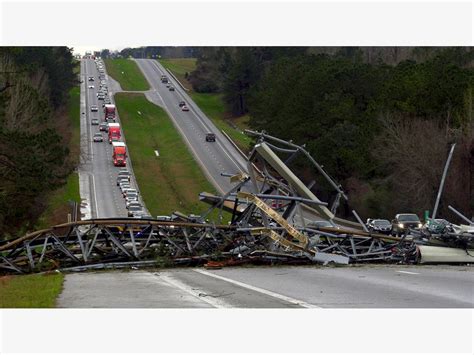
(175, 78)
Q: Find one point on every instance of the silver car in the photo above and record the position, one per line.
(98, 137)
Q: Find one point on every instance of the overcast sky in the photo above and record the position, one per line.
(82, 49)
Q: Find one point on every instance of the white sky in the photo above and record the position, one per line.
(82, 49)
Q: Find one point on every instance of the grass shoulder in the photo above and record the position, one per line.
(30, 291)
(168, 182)
(179, 67)
(127, 73)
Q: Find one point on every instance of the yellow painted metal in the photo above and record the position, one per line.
(292, 231)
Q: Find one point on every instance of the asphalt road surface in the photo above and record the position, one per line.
(97, 173)
(369, 286)
(214, 157)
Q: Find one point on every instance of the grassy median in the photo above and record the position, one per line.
(168, 182)
(211, 104)
(127, 73)
(30, 291)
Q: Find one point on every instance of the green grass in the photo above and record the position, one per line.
(211, 104)
(179, 67)
(30, 291)
(127, 73)
(172, 181)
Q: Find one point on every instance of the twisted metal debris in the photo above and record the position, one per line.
(271, 213)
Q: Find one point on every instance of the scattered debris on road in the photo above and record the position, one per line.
(279, 222)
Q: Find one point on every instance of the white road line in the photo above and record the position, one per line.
(95, 198)
(201, 121)
(260, 290)
(408, 272)
(176, 124)
(214, 302)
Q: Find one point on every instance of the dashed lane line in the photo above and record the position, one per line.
(165, 107)
(408, 272)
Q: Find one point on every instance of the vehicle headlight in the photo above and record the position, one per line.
(400, 225)
(420, 225)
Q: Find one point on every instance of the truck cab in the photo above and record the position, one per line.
(119, 154)
(114, 132)
(109, 111)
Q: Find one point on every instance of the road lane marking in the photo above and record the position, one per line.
(260, 290)
(408, 272)
(214, 302)
(201, 120)
(95, 197)
(176, 124)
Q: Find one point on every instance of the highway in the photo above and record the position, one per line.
(214, 157)
(97, 173)
(361, 286)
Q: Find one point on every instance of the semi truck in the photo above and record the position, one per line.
(114, 132)
(109, 111)
(119, 154)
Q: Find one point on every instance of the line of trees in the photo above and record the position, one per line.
(34, 87)
(380, 120)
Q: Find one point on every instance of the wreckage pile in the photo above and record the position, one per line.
(274, 219)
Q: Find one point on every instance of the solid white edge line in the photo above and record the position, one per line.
(95, 197)
(176, 125)
(201, 120)
(260, 290)
(193, 291)
(408, 272)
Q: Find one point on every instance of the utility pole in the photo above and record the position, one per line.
(441, 185)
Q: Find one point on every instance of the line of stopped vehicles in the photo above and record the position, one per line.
(119, 149)
(403, 223)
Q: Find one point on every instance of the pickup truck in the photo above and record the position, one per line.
(405, 221)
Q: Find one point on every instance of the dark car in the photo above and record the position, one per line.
(104, 127)
(379, 226)
(210, 137)
(403, 222)
(182, 103)
(98, 137)
(171, 88)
